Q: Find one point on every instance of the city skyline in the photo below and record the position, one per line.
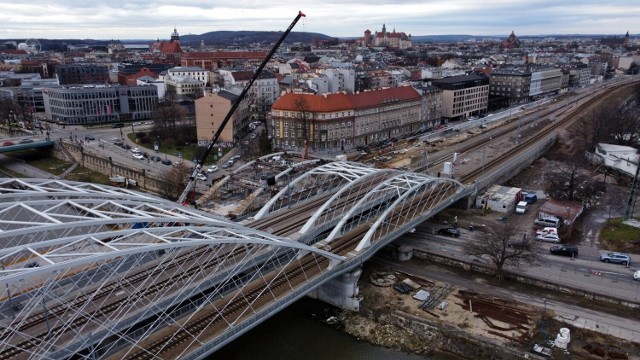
(136, 19)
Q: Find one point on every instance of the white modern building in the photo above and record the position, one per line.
(93, 104)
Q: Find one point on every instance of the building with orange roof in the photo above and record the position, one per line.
(344, 121)
(169, 50)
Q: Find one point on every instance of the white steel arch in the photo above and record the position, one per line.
(399, 186)
(401, 201)
(347, 171)
(348, 187)
(69, 291)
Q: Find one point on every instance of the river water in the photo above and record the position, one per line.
(295, 334)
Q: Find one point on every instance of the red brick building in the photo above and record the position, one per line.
(212, 60)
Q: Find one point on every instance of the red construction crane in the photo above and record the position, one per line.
(192, 179)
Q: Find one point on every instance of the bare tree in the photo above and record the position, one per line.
(503, 247)
(301, 105)
(175, 180)
(572, 180)
(166, 117)
(623, 125)
(591, 127)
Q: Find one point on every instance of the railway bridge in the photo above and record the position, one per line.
(91, 271)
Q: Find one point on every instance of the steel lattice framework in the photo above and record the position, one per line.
(90, 269)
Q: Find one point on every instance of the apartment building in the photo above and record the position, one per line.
(431, 107)
(265, 87)
(211, 110)
(546, 82)
(343, 121)
(78, 74)
(510, 84)
(193, 72)
(463, 96)
(94, 104)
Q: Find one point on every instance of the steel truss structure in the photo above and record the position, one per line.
(358, 194)
(93, 270)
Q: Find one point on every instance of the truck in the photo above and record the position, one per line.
(521, 207)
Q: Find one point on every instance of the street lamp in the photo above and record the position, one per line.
(426, 160)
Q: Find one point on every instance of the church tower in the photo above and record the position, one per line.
(175, 36)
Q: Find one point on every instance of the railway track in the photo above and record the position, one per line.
(536, 137)
(513, 126)
(102, 312)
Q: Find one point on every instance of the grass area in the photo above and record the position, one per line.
(620, 237)
(57, 167)
(188, 152)
(50, 165)
(86, 175)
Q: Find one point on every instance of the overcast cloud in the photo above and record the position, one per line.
(137, 19)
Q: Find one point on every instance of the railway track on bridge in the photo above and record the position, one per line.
(513, 126)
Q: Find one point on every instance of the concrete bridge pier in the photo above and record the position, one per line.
(341, 291)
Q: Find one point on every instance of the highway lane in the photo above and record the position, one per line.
(585, 271)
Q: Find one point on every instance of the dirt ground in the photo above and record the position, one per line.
(494, 319)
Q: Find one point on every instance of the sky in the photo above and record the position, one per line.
(144, 19)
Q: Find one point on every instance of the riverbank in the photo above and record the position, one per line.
(473, 324)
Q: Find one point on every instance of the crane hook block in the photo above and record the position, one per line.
(301, 14)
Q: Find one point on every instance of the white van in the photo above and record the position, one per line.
(549, 221)
(521, 208)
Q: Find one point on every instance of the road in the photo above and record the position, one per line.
(586, 271)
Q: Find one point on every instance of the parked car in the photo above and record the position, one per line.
(636, 275)
(521, 207)
(227, 165)
(552, 222)
(547, 230)
(548, 238)
(89, 137)
(166, 162)
(212, 168)
(25, 141)
(135, 150)
(138, 156)
(453, 232)
(8, 143)
(201, 177)
(616, 258)
(565, 250)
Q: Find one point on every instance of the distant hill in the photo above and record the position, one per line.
(459, 38)
(218, 38)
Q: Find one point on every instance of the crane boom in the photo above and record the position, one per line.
(235, 105)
